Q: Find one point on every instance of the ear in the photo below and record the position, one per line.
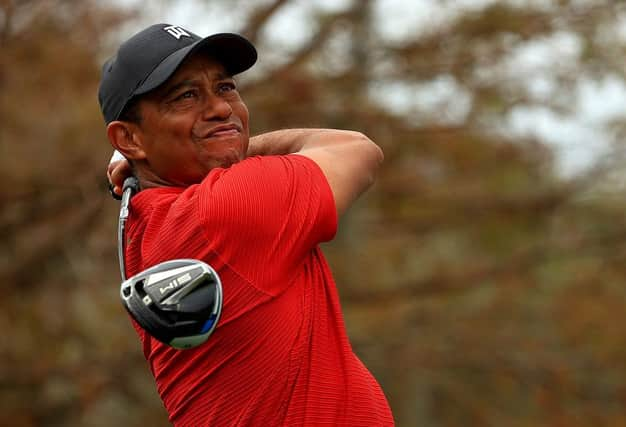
(124, 137)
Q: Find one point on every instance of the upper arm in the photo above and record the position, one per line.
(349, 163)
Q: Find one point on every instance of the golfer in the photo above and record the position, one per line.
(255, 209)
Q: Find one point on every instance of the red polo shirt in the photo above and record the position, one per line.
(280, 354)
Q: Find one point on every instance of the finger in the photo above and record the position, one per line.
(119, 171)
(110, 168)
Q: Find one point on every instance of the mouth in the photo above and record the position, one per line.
(222, 131)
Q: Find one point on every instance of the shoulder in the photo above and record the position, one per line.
(147, 201)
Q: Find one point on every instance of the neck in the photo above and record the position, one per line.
(148, 179)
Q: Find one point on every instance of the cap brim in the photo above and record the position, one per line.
(233, 51)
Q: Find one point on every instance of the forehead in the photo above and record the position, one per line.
(199, 65)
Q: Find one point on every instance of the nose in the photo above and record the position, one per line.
(217, 108)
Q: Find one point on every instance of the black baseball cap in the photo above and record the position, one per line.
(150, 57)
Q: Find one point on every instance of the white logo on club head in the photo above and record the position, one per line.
(176, 31)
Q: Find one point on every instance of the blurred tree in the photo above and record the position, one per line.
(481, 285)
(67, 358)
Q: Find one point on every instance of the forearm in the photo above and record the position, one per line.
(290, 141)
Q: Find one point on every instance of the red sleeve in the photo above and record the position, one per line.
(264, 215)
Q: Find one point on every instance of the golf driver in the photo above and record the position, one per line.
(178, 302)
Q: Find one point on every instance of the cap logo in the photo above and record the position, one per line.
(176, 31)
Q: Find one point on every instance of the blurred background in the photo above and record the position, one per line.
(483, 278)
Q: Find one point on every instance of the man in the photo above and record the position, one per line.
(255, 209)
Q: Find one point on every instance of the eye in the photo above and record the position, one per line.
(185, 95)
(225, 87)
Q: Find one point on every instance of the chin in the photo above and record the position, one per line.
(228, 163)
(234, 157)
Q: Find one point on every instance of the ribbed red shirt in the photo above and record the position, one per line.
(280, 355)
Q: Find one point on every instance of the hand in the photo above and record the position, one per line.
(117, 172)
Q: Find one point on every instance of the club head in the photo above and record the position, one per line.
(178, 302)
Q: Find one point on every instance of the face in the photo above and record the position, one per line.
(194, 122)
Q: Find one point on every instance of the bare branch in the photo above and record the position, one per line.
(260, 17)
(324, 32)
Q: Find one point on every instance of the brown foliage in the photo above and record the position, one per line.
(480, 286)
